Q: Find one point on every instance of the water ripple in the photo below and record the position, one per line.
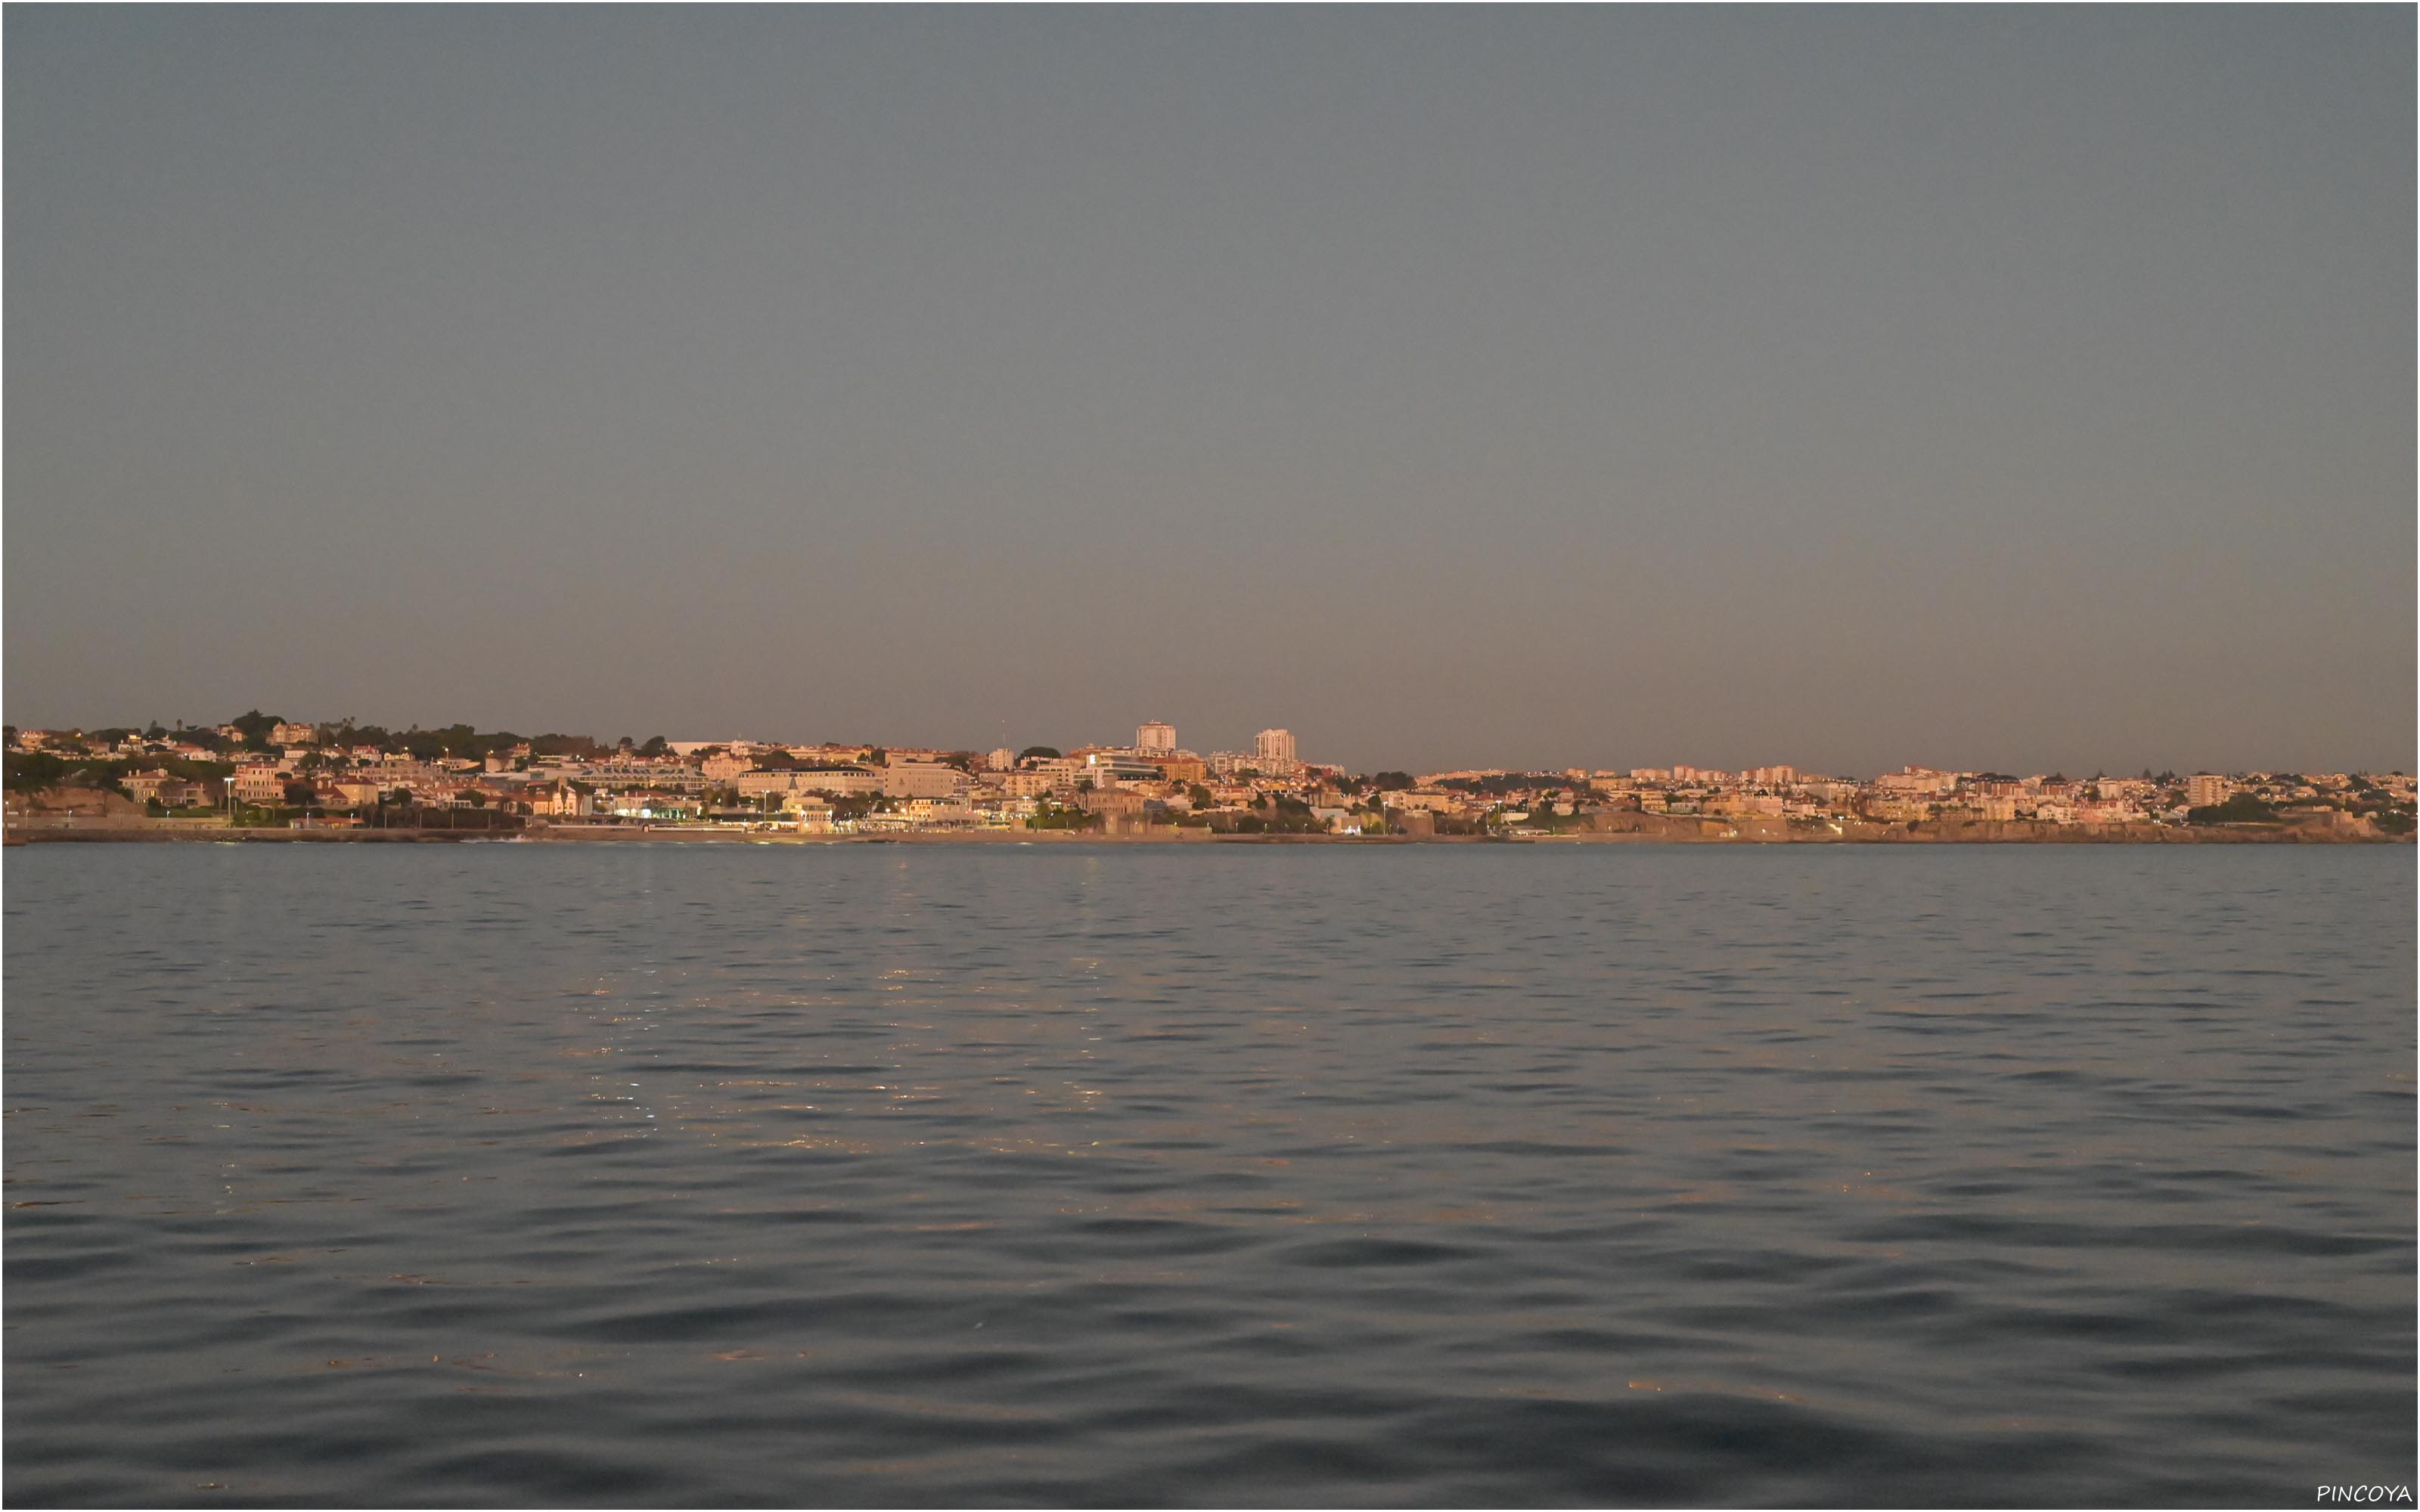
(1096, 1176)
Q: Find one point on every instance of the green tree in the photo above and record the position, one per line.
(1047, 753)
(2241, 808)
(34, 771)
(256, 727)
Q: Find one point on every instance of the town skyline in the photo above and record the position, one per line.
(2275, 750)
(609, 736)
(262, 769)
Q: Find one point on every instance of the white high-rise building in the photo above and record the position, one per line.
(1273, 750)
(2205, 790)
(1156, 737)
(1002, 760)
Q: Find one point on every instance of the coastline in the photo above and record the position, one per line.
(1669, 831)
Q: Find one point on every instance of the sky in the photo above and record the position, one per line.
(2018, 390)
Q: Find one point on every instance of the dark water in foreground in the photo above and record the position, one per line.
(1471, 1175)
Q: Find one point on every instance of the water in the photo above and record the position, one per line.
(1120, 1175)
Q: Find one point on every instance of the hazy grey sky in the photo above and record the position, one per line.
(2015, 388)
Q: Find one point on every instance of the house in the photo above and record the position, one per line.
(168, 790)
(1119, 808)
(355, 791)
(260, 782)
(144, 786)
(561, 800)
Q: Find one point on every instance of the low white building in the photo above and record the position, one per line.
(848, 781)
(1108, 769)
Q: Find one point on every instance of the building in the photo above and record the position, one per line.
(1002, 760)
(2207, 790)
(144, 786)
(561, 800)
(172, 792)
(394, 772)
(1120, 807)
(813, 815)
(1155, 738)
(1182, 767)
(654, 804)
(1273, 750)
(260, 782)
(293, 734)
(845, 780)
(1917, 780)
(923, 779)
(622, 772)
(1108, 769)
(1064, 772)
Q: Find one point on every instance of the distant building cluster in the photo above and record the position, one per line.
(342, 773)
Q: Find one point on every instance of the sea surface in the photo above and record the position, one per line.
(1485, 1175)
